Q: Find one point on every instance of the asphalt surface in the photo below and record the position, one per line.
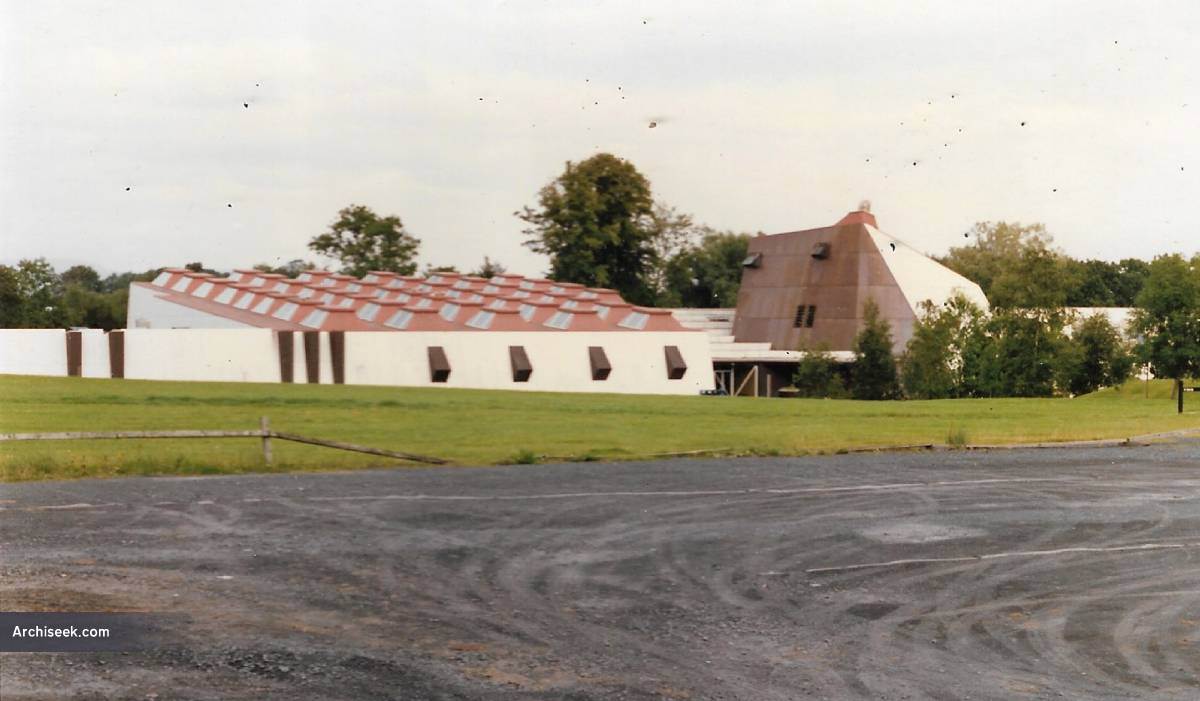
(1004, 575)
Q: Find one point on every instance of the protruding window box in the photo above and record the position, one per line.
(676, 368)
(599, 362)
(439, 365)
(521, 367)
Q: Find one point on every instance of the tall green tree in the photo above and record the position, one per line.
(707, 273)
(598, 223)
(41, 291)
(874, 373)
(12, 304)
(1094, 356)
(363, 241)
(83, 276)
(488, 269)
(1167, 320)
(994, 249)
(933, 363)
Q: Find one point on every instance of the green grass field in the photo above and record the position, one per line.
(472, 427)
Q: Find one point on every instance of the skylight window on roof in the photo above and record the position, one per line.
(588, 295)
(526, 285)
(395, 284)
(235, 276)
(285, 312)
(423, 288)
(380, 294)
(570, 304)
(303, 277)
(601, 311)
(346, 302)
(181, 284)
(546, 298)
(368, 311)
(491, 289)
(244, 302)
(401, 297)
(462, 285)
(280, 287)
(496, 304)
(453, 294)
(202, 289)
(448, 311)
(481, 320)
(635, 320)
(435, 278)
(328, 282)
(527, 311)
(315, 318)
(354, 287)
(226, 295)
(371, 277)
(475, 298)
(162, 279)
(520, 294)
(560, 320)
(400, 319)
(327, 298)
(258, 282)
(556, 289)
(263, 306)
(306, 293)
(424, 303)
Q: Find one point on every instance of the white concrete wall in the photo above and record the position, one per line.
(147, 311)
(94, 344)
(33, 352)
(560, 360)
(477, 359)
(216, 355)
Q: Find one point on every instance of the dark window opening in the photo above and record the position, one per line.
(804, 316)
(521, 367)
(599, 362)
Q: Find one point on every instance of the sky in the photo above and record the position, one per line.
(137, 134)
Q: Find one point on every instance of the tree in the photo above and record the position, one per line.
(363, 241)
(432, 269)
(933, 363)
(12, 306)
(599, 225)
(41, 294)
(1093, 357)
(291, 269)
(706, 274)
(874, 372)
(1016, 355)
(996, 248)
(1168, 319)
(817, 375)
(81, 276)
(488, 269)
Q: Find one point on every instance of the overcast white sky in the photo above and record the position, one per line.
(124, 139)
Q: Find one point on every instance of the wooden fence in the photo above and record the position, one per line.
(263, 431)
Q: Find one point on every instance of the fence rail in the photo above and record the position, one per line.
(264, 432)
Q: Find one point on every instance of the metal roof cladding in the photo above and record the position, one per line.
(386, 301)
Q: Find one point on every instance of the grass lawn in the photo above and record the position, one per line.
(471, 427)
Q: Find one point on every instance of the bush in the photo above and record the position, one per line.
(817, 375)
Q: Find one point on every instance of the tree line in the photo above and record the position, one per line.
(957, 350)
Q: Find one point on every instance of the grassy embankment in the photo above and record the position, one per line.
(482, 427)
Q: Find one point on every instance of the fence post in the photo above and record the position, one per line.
(265, 425)
(1179, 392)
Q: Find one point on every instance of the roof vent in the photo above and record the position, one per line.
(753, 260)
(820, 250)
